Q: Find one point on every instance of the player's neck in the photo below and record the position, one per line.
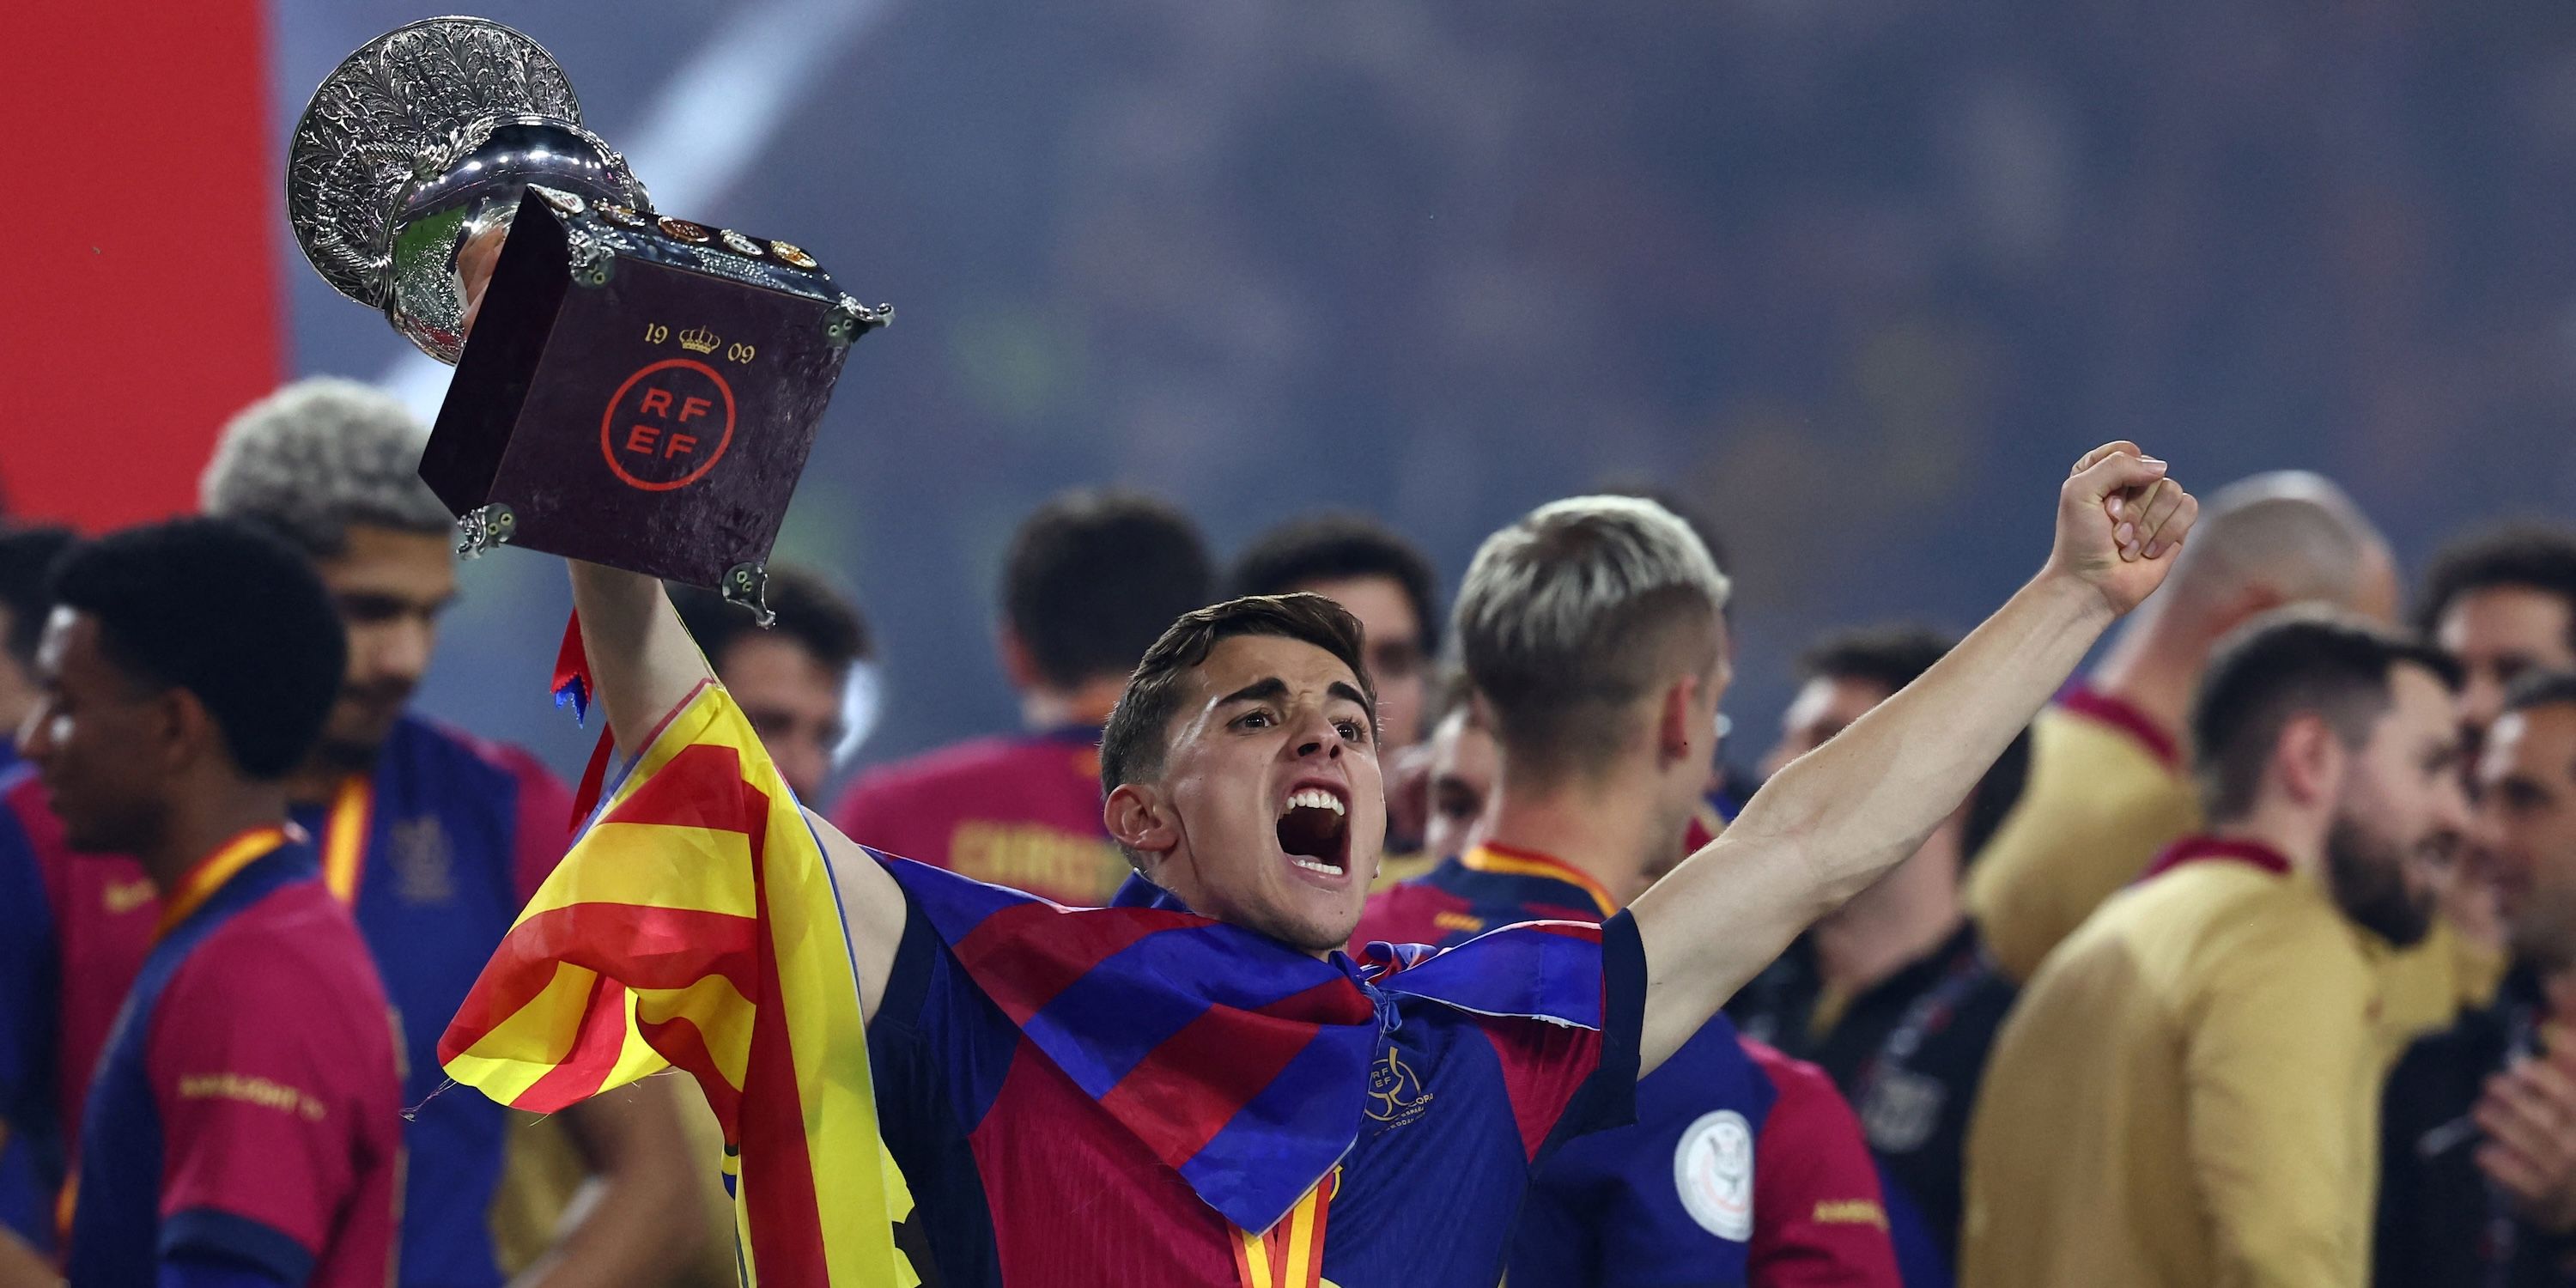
(2156, 674)
(2295, 834)
(201, 824)
(318, 779)
(1087, 704)
(1906, 916)
(1599, 828)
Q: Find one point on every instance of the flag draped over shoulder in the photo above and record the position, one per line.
(1242, 1063)
(695, 924)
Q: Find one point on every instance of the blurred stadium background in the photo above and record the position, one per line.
(1857, 279)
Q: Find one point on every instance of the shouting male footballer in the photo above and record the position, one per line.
(1195, 1087)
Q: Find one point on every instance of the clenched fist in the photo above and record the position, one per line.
(2120, 524)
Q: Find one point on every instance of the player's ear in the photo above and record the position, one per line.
(183, 731)
(1141, 817)
(1017, 665)
(1676, 718)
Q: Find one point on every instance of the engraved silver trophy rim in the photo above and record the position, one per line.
(421, 139)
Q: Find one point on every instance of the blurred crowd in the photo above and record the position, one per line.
(2248, 963)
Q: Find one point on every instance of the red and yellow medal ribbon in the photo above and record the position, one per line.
(213, 871)
(1291, 1254)
(344, 837)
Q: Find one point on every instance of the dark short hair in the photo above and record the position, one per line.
(1132, 746)
(1094, 576)
(2536, 689)
(27, 558)
(1890, 657)
(1896, 655)
(227, 611)
(1332, 547)
(2530, 556)
(811, 614)
(2292, 662)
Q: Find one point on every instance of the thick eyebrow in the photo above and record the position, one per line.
(1273, 688)
(1257, 691)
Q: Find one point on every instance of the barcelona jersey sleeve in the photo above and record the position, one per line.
(1821, 1219)
(275, 1099)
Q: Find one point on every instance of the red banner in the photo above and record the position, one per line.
(139, 295)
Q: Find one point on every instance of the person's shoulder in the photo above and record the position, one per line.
(964, 764)
(1418, 911)
(1790, 1075)
(2208, 930)
(480, 766)
(441, 746)
(294, 953)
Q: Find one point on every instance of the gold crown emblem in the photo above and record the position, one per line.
(700, 340)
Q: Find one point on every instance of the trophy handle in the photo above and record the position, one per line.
(748, 585)
(482, 530)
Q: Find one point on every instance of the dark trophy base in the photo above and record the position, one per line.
(640, 392)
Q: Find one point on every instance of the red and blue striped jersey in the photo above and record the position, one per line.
(247, 1103)
(1113, 1096)
(1742, 1167)
(434, 852)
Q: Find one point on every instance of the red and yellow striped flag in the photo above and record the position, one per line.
(694, 923)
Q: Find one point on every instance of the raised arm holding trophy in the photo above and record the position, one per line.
(1193, 1086)
(642, 390)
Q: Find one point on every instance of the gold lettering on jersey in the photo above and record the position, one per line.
(1457, 921)
(423, 864)
(1030, 856)
(1396, 1096)
(122, 897)
(1851, 1212)
(249, 1090)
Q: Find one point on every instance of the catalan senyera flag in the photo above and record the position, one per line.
(695, 924)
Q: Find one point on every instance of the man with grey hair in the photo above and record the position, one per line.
(435, 838)
(2108, 784)
(1593, 632)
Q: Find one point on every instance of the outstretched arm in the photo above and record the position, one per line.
(644, 665)
(1828, 825)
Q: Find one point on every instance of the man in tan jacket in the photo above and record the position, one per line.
(2109, 782)
(2188, 1093)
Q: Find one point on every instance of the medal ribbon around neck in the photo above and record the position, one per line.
(1291, 1254)
(211, 873)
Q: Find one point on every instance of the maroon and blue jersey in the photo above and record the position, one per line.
(1742, 1167)
(435, 852)
(247, 1109)
(74, 929)
(1115, 1096)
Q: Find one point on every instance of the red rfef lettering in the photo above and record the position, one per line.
(667, 424)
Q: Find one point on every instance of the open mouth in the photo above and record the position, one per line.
(1315, 831)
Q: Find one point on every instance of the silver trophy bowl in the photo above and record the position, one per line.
(424, 140)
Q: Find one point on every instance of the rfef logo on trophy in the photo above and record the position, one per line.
(667, 425)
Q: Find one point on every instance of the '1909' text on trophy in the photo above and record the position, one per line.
(641, 391)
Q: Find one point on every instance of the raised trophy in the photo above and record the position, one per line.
(641, 390)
